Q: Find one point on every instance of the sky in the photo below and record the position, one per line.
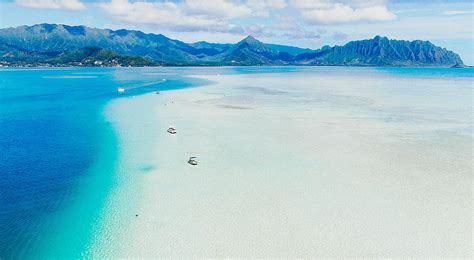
(303, 23)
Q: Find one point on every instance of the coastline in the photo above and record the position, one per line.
(135, 126)
(230, 66)
(74, 161)
(343, 175)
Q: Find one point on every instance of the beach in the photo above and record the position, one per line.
(293, 165)
(236, 129)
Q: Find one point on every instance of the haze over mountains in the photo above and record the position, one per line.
(63, 45)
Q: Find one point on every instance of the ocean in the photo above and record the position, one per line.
(63, 132)
(53, 139)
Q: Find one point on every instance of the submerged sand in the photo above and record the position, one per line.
(291, 165)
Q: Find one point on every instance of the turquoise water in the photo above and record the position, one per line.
(59, 151)
(431, 72)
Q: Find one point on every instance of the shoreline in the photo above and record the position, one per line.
(244, 66)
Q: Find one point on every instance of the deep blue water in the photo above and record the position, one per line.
(52, 132)
(51, 129)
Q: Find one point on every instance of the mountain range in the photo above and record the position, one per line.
(63, 45)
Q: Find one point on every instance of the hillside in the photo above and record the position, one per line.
(55, 44)
(380, 51)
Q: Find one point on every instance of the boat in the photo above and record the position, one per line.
(157, 92)
(192, 160)
(120, 90)
(171, 130)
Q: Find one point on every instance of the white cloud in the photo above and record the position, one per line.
(308, 4)
(189, 15)
(290, 28)
(52, 4)
(216, 9)
(338, 12)
(262, 7)
(339, 36)
(161, 14)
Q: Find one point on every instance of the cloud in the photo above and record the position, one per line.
(52, 4)
(340, 12)
(216, 9)
(189, 15)
(256, 30)
(327, 4)
(161, 14)
(457, 12)
(301, 34)
(291, 29)
(339, 36)
(263, 7)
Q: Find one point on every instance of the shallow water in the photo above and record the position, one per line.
(326, 162)
(59, 153)
(75, 153)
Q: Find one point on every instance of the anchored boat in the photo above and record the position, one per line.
(171, 130)
(192, 160)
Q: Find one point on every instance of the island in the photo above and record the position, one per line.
(64, 45)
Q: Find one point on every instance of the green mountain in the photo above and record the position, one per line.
(288, 49)
(61, 45)
(249, 51)
(95, 56)
(380, 51)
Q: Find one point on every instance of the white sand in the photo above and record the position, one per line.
(294, 166)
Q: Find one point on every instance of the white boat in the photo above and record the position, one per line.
(192, 160)
(120, 90)
(171, 130)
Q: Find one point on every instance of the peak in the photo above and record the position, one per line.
(44, 24)
(250, 39)
(380, 38)
(51, 27)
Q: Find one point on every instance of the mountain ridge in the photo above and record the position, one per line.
(42, 43)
